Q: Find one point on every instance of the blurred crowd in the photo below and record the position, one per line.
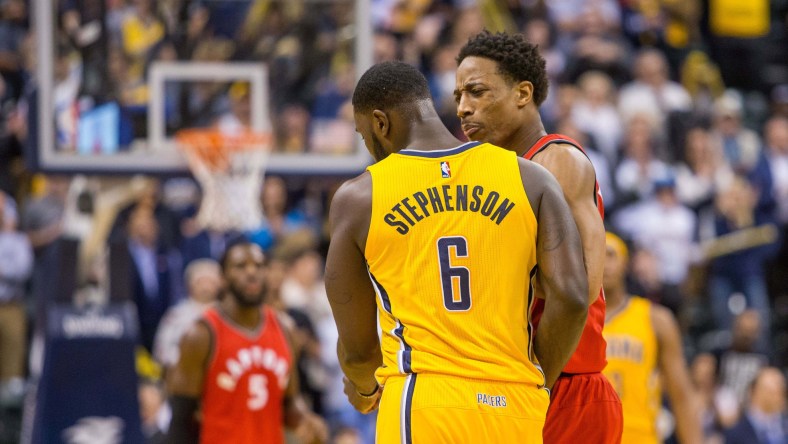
(682, 105)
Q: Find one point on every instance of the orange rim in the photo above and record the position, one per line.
(213, 148)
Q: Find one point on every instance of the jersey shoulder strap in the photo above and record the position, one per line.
(546, 140)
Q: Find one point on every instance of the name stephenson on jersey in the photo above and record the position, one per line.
(405, 214)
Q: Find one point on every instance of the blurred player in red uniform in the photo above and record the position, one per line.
(235, 366)
(501, 81)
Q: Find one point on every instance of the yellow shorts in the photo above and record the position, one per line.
(434, 409)
(631, 436)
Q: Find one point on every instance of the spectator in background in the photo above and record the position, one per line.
(596, 44)
(155, 414)
(665, 227)
(12, 133)
(703, 172)
(738, 267)
(150, 272)
(303, 286)
(639, 168)
(292, 125)
(596, 114)
(764, 420)
(68, 77)
(16, 266)
(779, 100)
(239, 118)
(652, 92)
(13, 28)
(740, 362)
(141, 30)
(203, 282)
(43, 222)
(776, 146)
(719, 407)
(568, 14)
(740, 146)
(150, 199)
(279, 219)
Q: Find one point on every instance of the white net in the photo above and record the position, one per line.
(230, 170)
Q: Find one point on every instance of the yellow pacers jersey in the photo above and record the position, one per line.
(632, 369)
(451, 248)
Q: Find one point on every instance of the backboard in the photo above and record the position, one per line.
(109, 104)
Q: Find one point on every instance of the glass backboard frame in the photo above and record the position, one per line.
(161, 157)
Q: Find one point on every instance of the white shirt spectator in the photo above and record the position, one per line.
(652, 92)
(173, 326)
(665, 229)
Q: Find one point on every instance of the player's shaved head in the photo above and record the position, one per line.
(389, 86)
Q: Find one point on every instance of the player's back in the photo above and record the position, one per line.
(451, 249)
(632, 369)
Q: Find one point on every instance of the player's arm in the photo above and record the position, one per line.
(185, 382)
(577, 177)
(559, 258)
(350, 291)
(682, 395)
(308, 426)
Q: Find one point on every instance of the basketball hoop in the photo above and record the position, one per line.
(230, 168)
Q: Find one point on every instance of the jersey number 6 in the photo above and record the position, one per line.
(449, 273)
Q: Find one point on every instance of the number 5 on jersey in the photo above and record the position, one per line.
(459, 246)
(258, 392)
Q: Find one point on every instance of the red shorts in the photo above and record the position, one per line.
(584, 408)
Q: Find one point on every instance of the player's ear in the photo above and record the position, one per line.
(525, 93)
(380, 123)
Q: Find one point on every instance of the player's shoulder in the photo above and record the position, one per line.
(565, 154)
(352, 197)
(535, 177)
(662, 319)
(198, 339)
(355, 190)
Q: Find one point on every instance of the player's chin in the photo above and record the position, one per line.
(474, 134)
(252, 299)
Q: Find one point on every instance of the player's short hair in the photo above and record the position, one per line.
(517, 59)
(232, 244)
(389, 85)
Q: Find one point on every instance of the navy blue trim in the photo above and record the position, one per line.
(408, 408)
(406, 362)
(440, 153)
(384, 296)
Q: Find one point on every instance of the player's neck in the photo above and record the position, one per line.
(245, 316)
(427, 133)
(616, 300)
(526, 137)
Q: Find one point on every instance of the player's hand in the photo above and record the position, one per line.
(364, 404)
(312, 429)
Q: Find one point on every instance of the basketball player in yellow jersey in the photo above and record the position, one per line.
(643, 353)
(439, 240)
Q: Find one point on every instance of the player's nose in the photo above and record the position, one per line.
(464, 107)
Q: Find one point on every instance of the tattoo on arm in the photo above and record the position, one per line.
(554, 238)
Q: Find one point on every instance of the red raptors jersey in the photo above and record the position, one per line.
(589, 357)
(245, 383)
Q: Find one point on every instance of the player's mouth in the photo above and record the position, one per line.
(470, 129)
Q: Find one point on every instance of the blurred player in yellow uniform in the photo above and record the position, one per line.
(643, 353)
(439, 241)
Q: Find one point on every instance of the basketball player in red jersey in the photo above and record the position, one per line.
(235, 366)
(501, 81)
